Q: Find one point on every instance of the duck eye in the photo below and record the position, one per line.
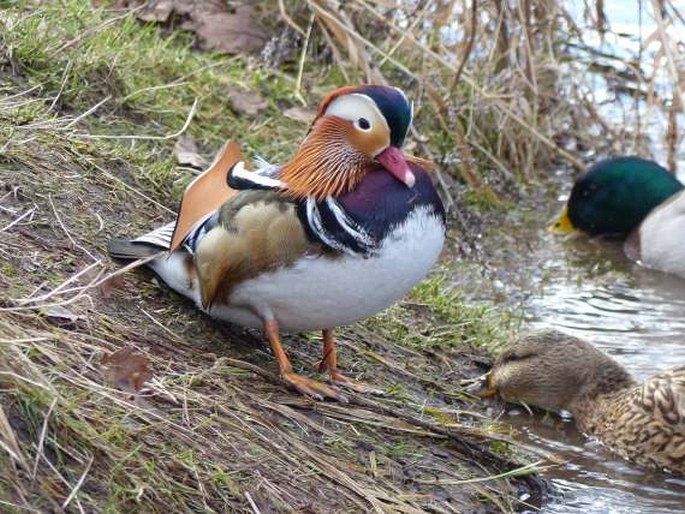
(363, 124)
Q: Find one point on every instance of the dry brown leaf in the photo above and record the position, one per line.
(300, 114)
(114, 282)
(159, 10)
(246, 102)
(232, 33)
(61, 315)
(217, 28)
(126, 369)
(187, 153)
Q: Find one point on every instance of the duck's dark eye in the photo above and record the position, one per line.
(363, 124)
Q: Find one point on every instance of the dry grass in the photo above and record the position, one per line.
(92, 102)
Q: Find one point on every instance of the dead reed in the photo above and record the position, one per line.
(504, 89)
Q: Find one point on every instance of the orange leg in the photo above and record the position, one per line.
(329, 361)
(305, 385)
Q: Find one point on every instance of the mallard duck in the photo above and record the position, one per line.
(633, 199)
(337, 234)
(644, 423)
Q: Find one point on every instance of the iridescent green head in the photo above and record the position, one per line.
(615, 195)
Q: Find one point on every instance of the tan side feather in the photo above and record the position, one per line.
(663, 397)
(258, 231)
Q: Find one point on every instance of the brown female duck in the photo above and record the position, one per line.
(644, 423)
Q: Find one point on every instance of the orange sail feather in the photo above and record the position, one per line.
(206, 193)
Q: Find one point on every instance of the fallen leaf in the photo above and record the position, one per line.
(159, 10)
(113, 282)
(232, 33)
(187, 153)
(300, 114)
(126, 369)
(60, 315)
(246, 102)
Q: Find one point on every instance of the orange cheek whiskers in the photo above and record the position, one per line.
(325, 165)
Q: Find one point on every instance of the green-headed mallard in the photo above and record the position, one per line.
(644, 423)
(634, 199)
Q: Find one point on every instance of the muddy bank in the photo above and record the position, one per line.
(88, 154)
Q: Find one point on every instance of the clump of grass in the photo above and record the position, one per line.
(91, 102)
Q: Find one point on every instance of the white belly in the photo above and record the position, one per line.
(323, 292)
(661, 237)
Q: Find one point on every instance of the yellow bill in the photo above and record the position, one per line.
(562, 225)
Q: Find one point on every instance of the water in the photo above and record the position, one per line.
(589, 289)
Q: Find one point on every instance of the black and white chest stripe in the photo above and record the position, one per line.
(328, 224)
(325, 222)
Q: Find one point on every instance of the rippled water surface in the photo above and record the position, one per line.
(589, 289)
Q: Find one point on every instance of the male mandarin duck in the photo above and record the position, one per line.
(644, 423)
(634, 199)
(337, 234)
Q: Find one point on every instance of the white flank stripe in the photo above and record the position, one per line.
(261, 177)
(347, 224)
(159, 237)
(314, 218)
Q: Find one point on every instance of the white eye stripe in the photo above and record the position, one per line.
(355, 106)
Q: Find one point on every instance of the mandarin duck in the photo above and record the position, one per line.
(340, 232)
(643, 423)
(633, 199)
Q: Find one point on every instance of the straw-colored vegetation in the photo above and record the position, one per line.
(92, 103)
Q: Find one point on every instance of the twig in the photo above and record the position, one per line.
(533, 466)
(160, 325)
(469, 43)
(41, 439)
(126, 185)
(253, 505)
(176, 134)
(75, 276)
(8, 441)
(153, 88)
(87, 113)
(79, 483)
(87, 33)
(65, 77)
(300, 67)
(14, 506)
(21, 93)
(289, 20)
(74, 243)
(17, 220)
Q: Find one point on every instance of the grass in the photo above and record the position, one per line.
(213, 430)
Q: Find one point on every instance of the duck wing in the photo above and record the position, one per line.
(254, 232)
(663, 398)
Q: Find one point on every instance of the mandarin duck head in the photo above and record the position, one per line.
(356, 130)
